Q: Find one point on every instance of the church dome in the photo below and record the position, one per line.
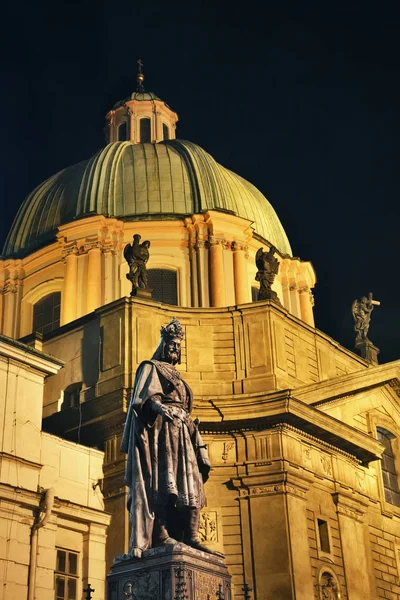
(144, 181)
(139, 96)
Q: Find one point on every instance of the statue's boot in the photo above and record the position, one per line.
(192, 533)
(161, 536)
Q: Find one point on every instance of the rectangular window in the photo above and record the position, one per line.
(323, 535)
(66, 575)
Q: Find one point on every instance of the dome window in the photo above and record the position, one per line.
(145, 130)
(123, 132)
(163, 283)
(165, 132)
(46, 313)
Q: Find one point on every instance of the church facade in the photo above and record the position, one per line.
(303, 434)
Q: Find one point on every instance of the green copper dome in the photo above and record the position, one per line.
(137, 96)
(140, 182)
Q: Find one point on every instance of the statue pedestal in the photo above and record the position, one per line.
(172, 572)
(142, 293)
(368, 351)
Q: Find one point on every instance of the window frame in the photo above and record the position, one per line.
(387, 489)
(66, 575)
(54, 323)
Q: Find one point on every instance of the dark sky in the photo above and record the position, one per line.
(301, 101)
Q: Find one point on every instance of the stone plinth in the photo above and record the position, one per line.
(142, 293)
(172, 572)
(368, 351)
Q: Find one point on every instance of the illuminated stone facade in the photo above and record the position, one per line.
(299, 499)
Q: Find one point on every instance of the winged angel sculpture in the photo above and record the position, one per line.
(136, 255)
(268, 266)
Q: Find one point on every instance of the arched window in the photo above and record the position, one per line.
(123, 132)
(145, 130)
(389, 473)
(163, 284)
(46, 313)
(165, 132)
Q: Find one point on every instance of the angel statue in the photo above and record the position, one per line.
(268, 267)
(137, 255)
(362, 310)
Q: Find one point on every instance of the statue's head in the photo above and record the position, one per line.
(169, 348)
(146, 244)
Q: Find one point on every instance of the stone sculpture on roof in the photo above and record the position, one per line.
(268, 267)
(137, 255)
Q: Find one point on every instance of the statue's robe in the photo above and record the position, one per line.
(162, 467)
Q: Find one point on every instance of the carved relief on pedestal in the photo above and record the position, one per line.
(141, 585)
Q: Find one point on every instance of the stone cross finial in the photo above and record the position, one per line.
(246, 589)
(88, 591)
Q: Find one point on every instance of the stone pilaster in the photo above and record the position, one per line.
(242, 288)
(70, 287)
(94, 279)
(218, 296)
(351, 511)
(277, 564)
(306, 304)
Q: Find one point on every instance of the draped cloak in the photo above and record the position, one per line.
(162, 467)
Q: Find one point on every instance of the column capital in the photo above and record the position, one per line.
(94, 244)
(217, 241)
(239, 247)
(68, 249)
(201, 244)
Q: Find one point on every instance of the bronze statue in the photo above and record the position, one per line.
(137, 255)
(268, 267)
(362, 310)
(167, 461)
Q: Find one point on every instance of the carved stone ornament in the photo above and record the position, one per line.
(142, 586)
(208, 531)
(137, 255)
(268, 267)
(328, 586)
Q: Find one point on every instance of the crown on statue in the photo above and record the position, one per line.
(172, 330)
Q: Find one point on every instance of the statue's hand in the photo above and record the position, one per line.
(164, 412)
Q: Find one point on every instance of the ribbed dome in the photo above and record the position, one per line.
(137, 96)
(139, 182)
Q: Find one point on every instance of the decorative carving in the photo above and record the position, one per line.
(208, 531)
(216, 241)
(180, 585)
(329, 587)
(307, 453)
(201, 244)
(268, 267)
(137, 255)
(227, 447)
(142, 585)
(360, 480)
(237, 246)
(10, 287)
(326, 464)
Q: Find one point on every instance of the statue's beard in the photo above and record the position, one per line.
(172, 358)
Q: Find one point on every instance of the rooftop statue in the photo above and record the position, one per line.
(268, 267)
(167, 462)
(137, 255)
(362, 310)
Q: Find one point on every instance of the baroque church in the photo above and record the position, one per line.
(303, 434)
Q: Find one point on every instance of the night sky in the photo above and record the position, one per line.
(301, 101)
